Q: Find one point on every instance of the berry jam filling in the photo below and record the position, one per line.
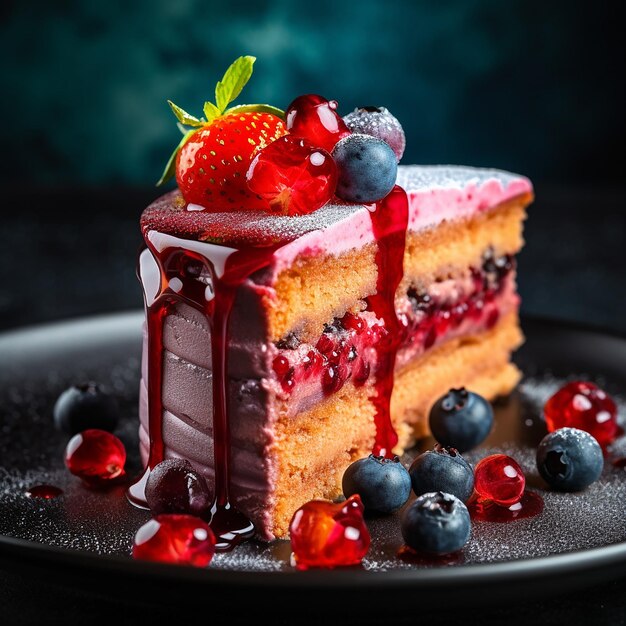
(344, 351)
(430, 318)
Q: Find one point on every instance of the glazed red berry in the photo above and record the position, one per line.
(314, 118)
(499, 478)
(281, 365)
(293, 176)
(95, 456)
(585, 406)
(329, 535)
(179, 539)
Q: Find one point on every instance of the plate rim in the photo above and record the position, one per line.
(501, 572)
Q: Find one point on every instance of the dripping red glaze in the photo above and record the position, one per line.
(389, 222)
(229, 525)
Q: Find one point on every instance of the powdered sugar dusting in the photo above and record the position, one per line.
(420, 178)
(428, 187)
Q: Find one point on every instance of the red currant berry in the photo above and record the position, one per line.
(95, 456)
(316, 119)
(329, 535)
(585, 406)
(499, 478)
(293, 176)
(377, 121)
(180, 539)
(281, 365)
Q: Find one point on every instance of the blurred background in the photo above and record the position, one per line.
(534, 87)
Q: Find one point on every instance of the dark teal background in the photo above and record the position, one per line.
(535, 87)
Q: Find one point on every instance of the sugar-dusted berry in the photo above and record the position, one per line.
(442, 469)
(436, 523)
(367, 168)
(460, 419)
(378, 122)
(83, 406)
(569, 459)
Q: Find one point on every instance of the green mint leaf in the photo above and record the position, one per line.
(256, 108)
(211, 111)
(233, 81)
(183, 117)
(170, 168)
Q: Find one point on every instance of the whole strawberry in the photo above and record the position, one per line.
(211, 161)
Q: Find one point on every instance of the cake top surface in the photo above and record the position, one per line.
(436, 192)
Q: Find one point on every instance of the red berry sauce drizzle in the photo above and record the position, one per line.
(228, 524)
(482, 510)
(389, 223)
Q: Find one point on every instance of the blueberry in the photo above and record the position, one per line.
(85, 406)
(367, 168)
(175, 487)
(437, 523)
(383, 484)
(569, 459)
(461, 419)
(378, 122)
(442, 469)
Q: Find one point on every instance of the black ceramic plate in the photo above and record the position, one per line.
(84, 536)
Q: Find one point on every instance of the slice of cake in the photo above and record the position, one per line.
(280, 346)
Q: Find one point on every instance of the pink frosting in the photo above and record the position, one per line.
(436, 193)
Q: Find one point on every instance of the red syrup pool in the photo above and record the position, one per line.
(46, 492)
(230, 269)
(408, 555)
(530, 505)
